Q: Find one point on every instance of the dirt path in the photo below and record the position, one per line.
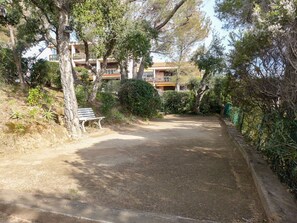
(179, 166)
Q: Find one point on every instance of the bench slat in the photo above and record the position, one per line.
(87, 114)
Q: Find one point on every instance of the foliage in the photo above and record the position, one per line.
(82, 90)
(8, 73)
(135, 41)
(48, 115)
(17, 128)
(35, 96)
(211, 60)
(16, 115)
(108, 102)
(178, 102)
(263, 67)
(45, 73)
(111, 86)
(140, 98)
(81, 96)
(38, 97)
(193, 84)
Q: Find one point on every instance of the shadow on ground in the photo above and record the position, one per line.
(179, 166)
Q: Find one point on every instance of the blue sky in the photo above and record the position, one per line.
(208, 8)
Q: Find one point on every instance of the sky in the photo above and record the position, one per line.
(207, 7)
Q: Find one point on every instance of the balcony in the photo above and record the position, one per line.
(82, 56)
(159, 79)
(112, 74)
(54, 57)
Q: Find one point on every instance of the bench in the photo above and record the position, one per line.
(87, 114)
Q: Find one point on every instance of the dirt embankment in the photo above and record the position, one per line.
(23, 127)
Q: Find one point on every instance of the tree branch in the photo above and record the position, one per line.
(171, 14)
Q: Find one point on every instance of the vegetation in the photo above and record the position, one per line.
(178, 102)
(212, 61)
(263, 67)
(140, 98)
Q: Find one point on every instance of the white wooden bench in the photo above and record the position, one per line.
(87, 114)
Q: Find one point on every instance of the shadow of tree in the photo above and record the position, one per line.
(185, 168)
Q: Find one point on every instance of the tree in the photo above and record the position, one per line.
(211, 61)
(100, 23)
(263, 64)
(11, 19)
(133, 44)
(55, 15)
(154, 13)
(189, 27)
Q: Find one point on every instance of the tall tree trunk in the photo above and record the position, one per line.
(124, 69)
(70, 102)
(200, 93)
(16, 56)
(178, 74)
(97, 81)
(141, 69)
(203, 88)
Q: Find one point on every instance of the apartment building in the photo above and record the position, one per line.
(162, 75)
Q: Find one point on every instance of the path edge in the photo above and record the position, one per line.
(279, 205)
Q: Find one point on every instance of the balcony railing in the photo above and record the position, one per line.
(112, 71)
(76, 56)
(159, 79)
(82, 56)
(54, 57)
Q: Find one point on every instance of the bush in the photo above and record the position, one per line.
(275, 136)
(140, 98)
(81, 95)
(108, 102)
(44, 73)
(111, 86)
(210, 103)
(8, 71)
(37, 97)
(178, 102)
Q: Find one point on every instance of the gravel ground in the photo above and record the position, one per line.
(180, 166)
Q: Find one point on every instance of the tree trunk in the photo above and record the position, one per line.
(200, 93)
(124, 69)
(70, 107)
(178, 74)
(141, 69)
(16, 56)
(97, 81)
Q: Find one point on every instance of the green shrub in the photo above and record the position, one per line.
(37, 97)
(45, 73)
(48, 115)
(8, 71)
(16, 115)
(81, 95)
(275, 136)
(178, 102)
(34, 112)
(111, 86)
(108, 101)
(210, 103)
(140, 98)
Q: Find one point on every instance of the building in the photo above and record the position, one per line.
(162, 75)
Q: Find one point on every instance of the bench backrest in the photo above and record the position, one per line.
(86, 113)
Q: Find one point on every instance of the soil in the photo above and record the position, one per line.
(19, 132)
(180, 166)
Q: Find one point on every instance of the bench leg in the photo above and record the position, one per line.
(99, 123)
(83, 126)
